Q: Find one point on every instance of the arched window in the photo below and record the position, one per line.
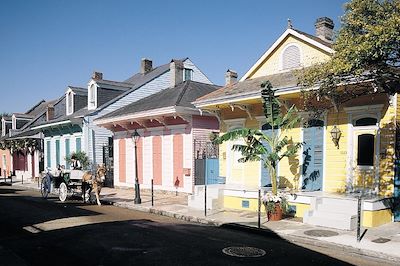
(366, 121)
(291, 57)
(70, 103)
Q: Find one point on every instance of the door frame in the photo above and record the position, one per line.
(355, 113)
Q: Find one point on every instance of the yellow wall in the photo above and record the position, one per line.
(376, 218)
(231, 202)
(271, 65)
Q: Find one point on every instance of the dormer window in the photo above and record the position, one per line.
(187, 74)
(92, 97)
(291, 57)
(70, 102)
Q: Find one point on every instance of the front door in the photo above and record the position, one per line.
(313, 155)
(364, 160)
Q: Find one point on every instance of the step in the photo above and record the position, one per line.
(332, 220)
(331, 207)
(338, 202)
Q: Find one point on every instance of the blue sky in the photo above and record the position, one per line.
(47, 45)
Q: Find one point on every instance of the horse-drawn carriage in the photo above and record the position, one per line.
(73, 182)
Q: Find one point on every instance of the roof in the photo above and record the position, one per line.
(278, 81)
(124, 85)
(315, 38)
(79, 90)
(39, 107)
(26, 116)
(138, 80)
(181, 95)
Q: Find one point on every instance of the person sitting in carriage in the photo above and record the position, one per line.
(76, 164)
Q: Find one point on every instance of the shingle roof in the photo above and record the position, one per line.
(181, 95)
(28, 116)
(315, 38)
(79, 90)
(122, 85)
(278, 81)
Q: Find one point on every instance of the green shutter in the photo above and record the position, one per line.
(48, 154)
(57, 152)
(67, 152)
(78, 144)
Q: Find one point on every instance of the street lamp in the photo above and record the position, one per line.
(138, 200)
(336, 134)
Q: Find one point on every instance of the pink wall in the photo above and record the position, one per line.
(8, 162)
(140, 159)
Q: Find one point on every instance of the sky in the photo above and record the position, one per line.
(47, 45)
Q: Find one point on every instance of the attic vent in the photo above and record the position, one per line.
(291, 57)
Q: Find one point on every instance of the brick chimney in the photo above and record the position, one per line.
(97, 75)
(146, 66)
(230, 77)
(176, 69)
(324, 29)
(50, 112)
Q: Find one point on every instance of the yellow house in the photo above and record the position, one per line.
(324, 176)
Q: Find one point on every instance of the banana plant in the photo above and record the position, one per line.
(268, 148)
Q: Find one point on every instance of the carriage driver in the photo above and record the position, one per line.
(76, 164)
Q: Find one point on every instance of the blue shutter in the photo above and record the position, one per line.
(48, 154)
(313, 150)
(57, 152)
(396, 207)
(67, 152)
(78, 144)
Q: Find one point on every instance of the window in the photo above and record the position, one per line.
(78, 144)
(70, 103)
(57, 152)
(367, 121)
(291, 57)
(187, 74)
(67, 152)
(48, 154)
(365, 150)
(92, 96)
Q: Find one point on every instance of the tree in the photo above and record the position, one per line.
(269, 149)
(367, 53)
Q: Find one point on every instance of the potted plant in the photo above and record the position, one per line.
(268, 148)
(275, 205)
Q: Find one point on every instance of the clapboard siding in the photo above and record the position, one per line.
(101, 135)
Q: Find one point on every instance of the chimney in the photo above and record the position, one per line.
(97, 75)
(176, 69)
(230, 77)
(324, 29)
(146, 66)
(50, 112)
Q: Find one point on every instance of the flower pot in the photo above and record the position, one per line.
(277, 215)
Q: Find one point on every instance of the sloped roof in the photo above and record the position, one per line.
(181, 95)
(79, 90)
(138, 80)
(279, 81)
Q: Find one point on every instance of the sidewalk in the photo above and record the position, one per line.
(382, 242)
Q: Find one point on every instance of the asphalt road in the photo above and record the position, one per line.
(34, 231)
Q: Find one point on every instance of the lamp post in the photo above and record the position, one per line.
(138, 200)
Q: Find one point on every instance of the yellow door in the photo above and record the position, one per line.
(365, 159)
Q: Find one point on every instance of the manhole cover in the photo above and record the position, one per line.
(244, 252)
(381, 240)
(320, 233)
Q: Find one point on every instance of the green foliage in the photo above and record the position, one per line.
(280, 146)
(81, 157)
(367, 48)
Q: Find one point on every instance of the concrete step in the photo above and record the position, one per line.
(330, 219)
(334, 208)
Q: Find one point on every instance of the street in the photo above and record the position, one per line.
(34, 231)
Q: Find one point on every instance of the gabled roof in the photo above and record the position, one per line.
(248, 88)
(23, 116)
(181, 95)
(138, 80)
(315, 41)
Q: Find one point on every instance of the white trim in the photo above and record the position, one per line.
(278, 42)
(92, 85)
(52, 124)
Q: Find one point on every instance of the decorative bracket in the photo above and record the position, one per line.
(243, 107)
(160, 120)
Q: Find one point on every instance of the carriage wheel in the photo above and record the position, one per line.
(63, 192)
(45, 187)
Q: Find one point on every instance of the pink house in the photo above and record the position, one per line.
(169, 125)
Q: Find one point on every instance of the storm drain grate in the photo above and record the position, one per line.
(244, 252)
(320, 233)
(381, 240)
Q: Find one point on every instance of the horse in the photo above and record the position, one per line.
(96, 181)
